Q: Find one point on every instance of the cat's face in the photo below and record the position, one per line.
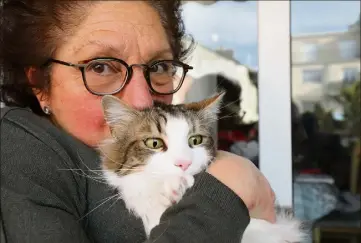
(161, 140)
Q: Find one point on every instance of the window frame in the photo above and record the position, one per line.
(313, 81)
(274, 83)
(347, 49)
(353, 70)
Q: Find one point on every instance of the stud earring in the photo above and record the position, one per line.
(46, 110)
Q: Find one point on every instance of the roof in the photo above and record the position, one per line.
(218, 53)
(326, 33)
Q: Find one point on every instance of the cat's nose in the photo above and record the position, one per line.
(183, 164)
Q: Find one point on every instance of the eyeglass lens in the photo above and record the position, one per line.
(107, 76)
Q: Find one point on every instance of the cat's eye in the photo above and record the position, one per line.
(154, 143)
(195, 140)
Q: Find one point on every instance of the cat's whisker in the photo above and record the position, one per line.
(139, 170)
(106, 155)
(124, 166)
(104, 201)
(233, 114)
(116, 200)
(228, 104)
(75, 171)
(130, 169)
(83, 170)
(228, 116)
(99, 180)
(219, 84)
(225, 117)
(81, 160)
(84, 174)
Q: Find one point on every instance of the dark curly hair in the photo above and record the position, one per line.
(30, 31)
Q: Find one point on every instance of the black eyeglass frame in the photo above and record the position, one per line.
(84, 64)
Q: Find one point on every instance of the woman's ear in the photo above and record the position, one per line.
(35, 76)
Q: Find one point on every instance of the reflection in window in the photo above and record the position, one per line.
(326, 175)
(350, 75)
(310, 52)
(308, 106)
(312, 75)
(348, 49)
(225, 58)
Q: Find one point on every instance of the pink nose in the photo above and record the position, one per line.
(183, 164)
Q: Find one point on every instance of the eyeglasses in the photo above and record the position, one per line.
(107, 75)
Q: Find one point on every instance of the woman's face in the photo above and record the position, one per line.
(128, 30)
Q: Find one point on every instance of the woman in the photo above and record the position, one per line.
(55, 120)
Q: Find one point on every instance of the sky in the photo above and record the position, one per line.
(233, 25)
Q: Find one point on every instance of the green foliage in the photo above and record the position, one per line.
(324, 118)
(350, 99)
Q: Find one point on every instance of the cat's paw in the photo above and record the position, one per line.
(176, 186)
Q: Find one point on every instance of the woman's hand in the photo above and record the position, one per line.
(243, 177)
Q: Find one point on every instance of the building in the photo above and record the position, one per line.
(322, 64)
(201, 82)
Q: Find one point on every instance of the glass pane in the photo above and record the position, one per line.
(225, 57)
(326, 108)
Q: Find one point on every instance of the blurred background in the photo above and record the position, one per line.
(324, 118)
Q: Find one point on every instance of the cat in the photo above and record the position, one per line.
(153, 154)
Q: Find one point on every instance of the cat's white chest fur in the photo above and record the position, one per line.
(149, 196)
(285, 230)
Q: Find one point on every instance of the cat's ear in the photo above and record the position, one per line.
(210, 106)
(213, 104)
(116, 111)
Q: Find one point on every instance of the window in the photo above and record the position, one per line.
(350, 75)
(322, 106)
(310, 51)
(223, 57)
(312, 75)
(348, 49)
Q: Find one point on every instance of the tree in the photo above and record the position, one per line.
(350, 99)
(325, 119)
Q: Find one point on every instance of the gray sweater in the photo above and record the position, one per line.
(43, 201)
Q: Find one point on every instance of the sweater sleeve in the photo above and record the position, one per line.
(209, 212)
(38, 203)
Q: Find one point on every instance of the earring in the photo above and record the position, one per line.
(46, 110)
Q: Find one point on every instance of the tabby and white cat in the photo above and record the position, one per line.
(154, 153)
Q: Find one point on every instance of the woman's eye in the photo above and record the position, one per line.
(195, 140)
(159, 68)
(101, 68)
(164, 68)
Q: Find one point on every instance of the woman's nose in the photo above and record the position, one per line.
(136, 92)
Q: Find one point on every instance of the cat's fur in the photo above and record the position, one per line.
(149, 180)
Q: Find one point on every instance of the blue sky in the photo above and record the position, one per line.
(234, 24)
